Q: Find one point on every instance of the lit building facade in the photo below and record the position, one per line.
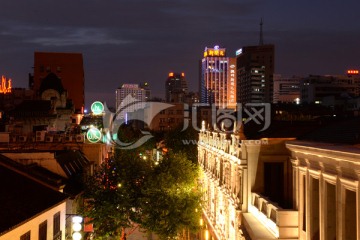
(326, 190)
(176, 87)
(68, 67)
(255, 70)
(286, 89)
(278, 188)
(217, 83)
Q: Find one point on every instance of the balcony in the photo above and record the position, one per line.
(282, 223)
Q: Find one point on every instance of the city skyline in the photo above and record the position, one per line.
(143, 41)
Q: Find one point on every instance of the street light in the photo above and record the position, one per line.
(76, 227)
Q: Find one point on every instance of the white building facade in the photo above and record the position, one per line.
(278, 189)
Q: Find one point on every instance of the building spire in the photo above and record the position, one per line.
(261, 41)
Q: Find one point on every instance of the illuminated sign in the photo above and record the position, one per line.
(238, 52)
(231, 89)
(127, 85)
(97, 107)
(171, 74)
(93, 135)
(214, 52)
(352, 71)
(5, 86)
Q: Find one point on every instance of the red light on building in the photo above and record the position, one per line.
(352, 72)
(171, 74)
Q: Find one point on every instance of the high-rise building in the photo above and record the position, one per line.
(255, 70)
(217, 83)
(176, 87)
(129, 98)
(66, 66)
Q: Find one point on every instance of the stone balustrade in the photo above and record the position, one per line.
(281, 222)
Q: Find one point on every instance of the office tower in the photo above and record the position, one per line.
(255, 70)
(66, 66)
(217, 83)
(129, 98)
(175, 87)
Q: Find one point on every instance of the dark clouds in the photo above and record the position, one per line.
(142, 40)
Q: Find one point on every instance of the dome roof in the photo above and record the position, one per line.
(51, 81)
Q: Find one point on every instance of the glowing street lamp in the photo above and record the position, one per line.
(76, 227)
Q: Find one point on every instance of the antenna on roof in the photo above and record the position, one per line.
(261, 41)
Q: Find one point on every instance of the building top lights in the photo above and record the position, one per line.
(216, 51)
(353, 72)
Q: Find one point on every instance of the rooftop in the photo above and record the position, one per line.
(18, 203)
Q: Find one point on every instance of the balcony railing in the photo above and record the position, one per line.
(282, 223)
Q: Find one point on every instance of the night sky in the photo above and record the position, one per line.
(132, 41)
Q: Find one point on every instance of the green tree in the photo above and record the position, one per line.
(171, 200)
(113, 194)
(129, 190)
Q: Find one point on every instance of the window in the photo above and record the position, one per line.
(43, 230)
(25, 236)
(56, 226)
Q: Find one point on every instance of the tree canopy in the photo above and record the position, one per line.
(162, 197)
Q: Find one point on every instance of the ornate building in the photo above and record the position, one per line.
(278, 188)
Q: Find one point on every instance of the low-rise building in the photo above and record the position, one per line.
(278, 188)
(28, 209)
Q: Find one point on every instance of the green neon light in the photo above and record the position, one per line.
(93, 135)
(97, 107)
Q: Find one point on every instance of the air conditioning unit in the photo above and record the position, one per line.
(49, 139)
(68, 139)
(40, 136)
(80, 138)
(22, 138)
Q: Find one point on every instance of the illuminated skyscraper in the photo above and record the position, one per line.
(217, 83)
(176, 87)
